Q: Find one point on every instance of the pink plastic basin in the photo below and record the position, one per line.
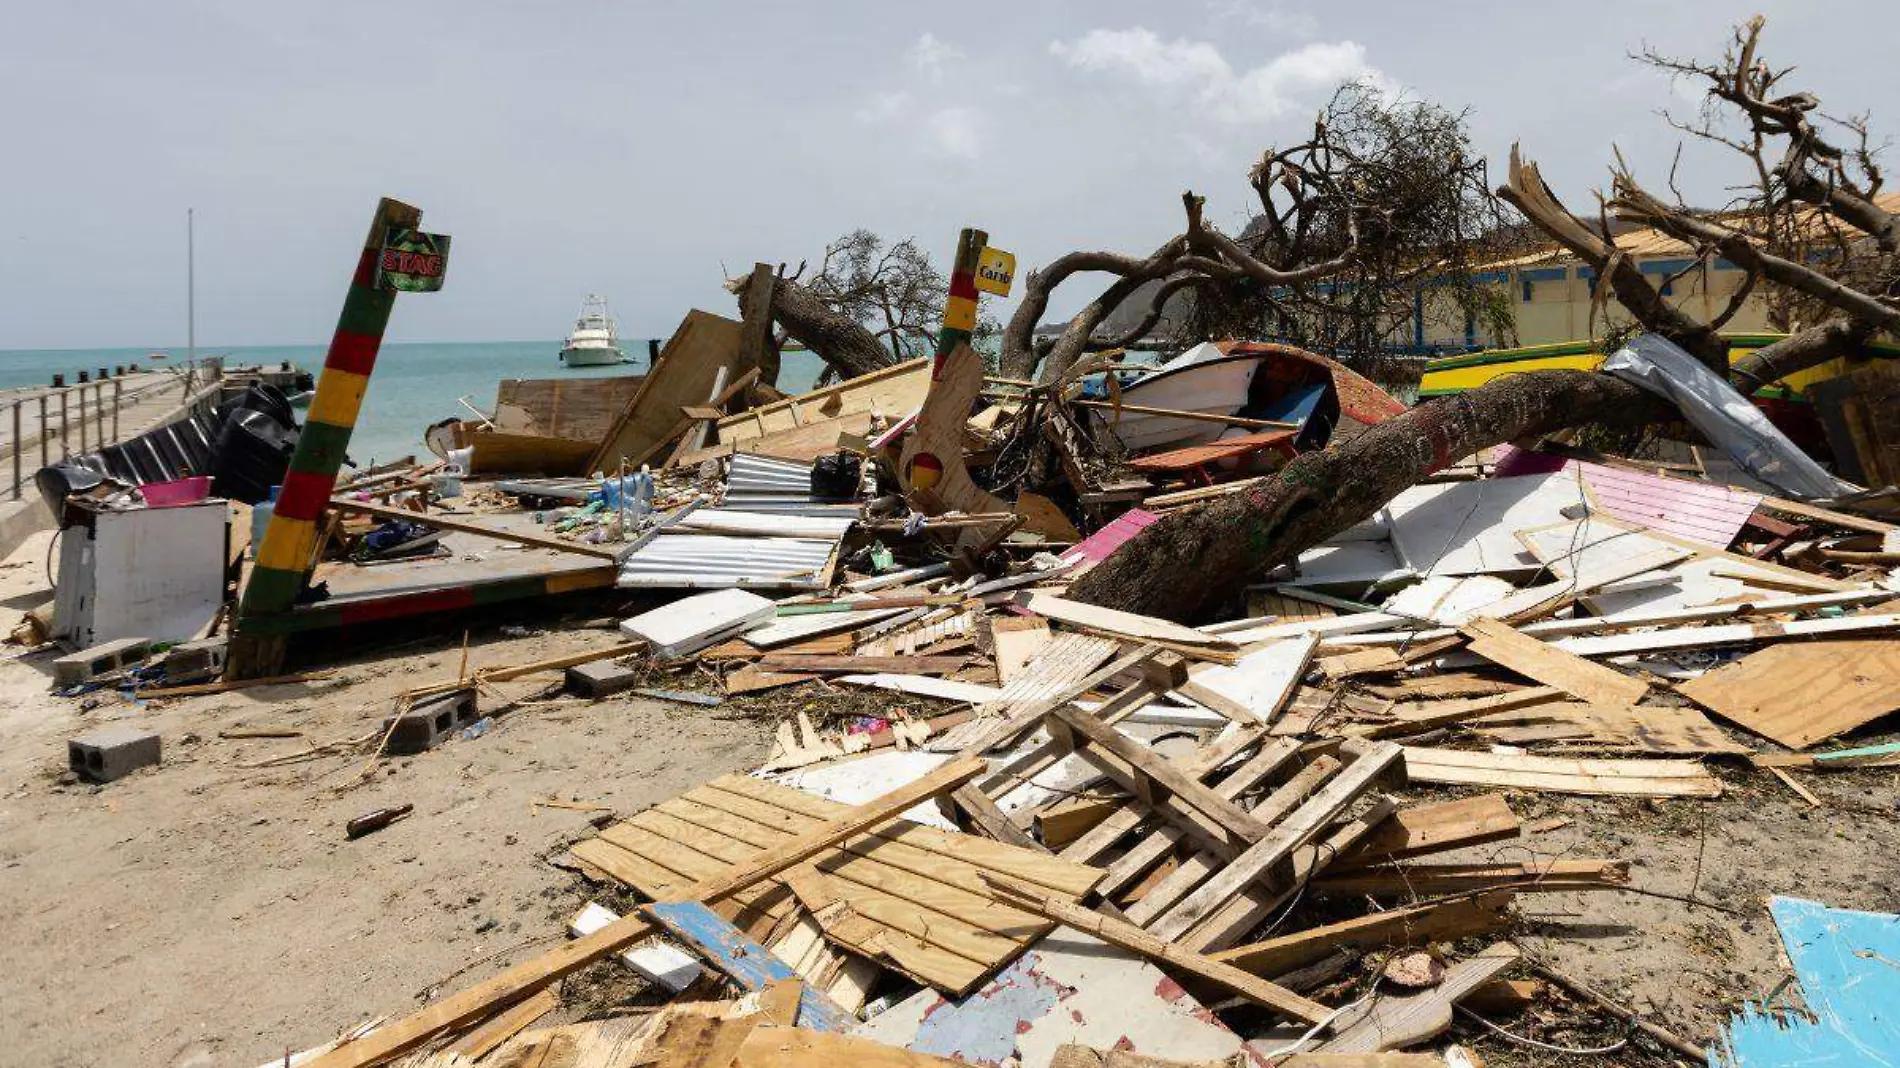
(177, 491)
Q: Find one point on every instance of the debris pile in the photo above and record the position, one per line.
(1000, 825)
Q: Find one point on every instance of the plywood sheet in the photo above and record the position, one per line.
(1802, 693)
(583, 409)
(1469, 528)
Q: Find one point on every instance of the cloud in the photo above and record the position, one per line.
(1286, 83)
(924, 113)
(1275, 20)
(929, 56)
(956, 133)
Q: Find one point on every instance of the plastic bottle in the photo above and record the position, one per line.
(260, 520)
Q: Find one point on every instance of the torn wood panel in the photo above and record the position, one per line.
(1018, 641)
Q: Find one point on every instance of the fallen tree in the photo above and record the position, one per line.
(1193, 560)
(1383, 193)
(868, 305)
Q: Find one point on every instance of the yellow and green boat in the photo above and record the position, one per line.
(1456, 374)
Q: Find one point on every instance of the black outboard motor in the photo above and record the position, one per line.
(253, 448)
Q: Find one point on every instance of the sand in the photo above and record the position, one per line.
(202, 913)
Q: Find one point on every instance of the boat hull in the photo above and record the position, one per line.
(592, 356)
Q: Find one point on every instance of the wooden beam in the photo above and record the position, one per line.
(442, 522)
(1393, 1022)
(482, 999)
(1439, 921)
(1132, 938)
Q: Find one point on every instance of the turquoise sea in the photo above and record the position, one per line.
(415, 384)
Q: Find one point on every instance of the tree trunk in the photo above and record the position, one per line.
(838, 340)
(1186, 565)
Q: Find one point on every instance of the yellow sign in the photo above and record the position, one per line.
(995, 271)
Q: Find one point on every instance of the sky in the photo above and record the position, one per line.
(647, 151)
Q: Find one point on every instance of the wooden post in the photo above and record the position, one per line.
(118, 402)
(44, 437)
(959, 308)
(65, 428)
(287, 554)
(755, 339)
(19, 443)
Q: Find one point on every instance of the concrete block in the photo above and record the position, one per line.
(429, 721)
(601, 678)
(103, 659)
(196, 661)
(111, 752)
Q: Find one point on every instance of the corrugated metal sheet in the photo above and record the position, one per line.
(709, 561)
(782, 487)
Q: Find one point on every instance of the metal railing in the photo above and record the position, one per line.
(63, 421)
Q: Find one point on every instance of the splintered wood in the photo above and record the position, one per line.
(916, 896)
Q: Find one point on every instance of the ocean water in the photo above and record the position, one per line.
(414, 384)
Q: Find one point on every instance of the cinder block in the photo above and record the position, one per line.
(103, 659)
(196, 661)
(111, 752)
(601, 678)
(428, 722)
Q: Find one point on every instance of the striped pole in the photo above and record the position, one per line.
(287, 555)
(959, 309)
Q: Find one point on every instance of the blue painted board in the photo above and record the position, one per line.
(744, 961)
(1848, 964)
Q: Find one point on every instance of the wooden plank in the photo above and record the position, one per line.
(480, 1000)
(1800, 694)
(1433, 828)
(1064, 670)
(1442, 921)
(443, 522)
(1270, 858)
(1416, 719)
(505, 1025)
(1839, 519)
(1415, 880)
(1392, 1022)
(1129, 937)
(1644, 778)
(1128, 625)
(742, 960)
(1499, 643)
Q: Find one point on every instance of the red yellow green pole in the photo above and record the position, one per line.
(959, 309)
(287, 554)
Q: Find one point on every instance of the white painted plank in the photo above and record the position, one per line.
(693, 623)
(1469, 528)
(926, 686)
